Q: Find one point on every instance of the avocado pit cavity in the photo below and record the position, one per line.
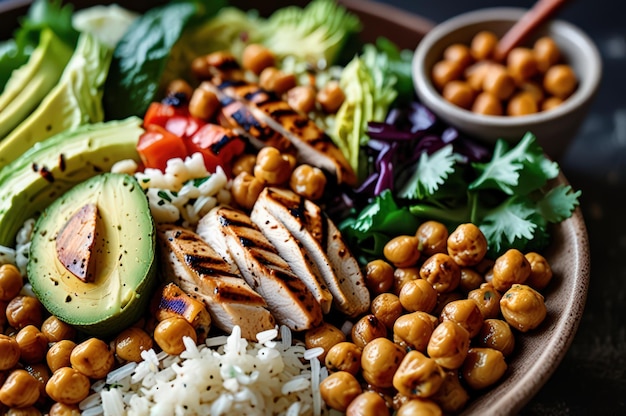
(75, 243)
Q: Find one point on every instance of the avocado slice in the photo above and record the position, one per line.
(30, 83)
(121, 255)
(46, 171)
(75, 100)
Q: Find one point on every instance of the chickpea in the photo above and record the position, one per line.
(488, 104)
(432, 237)
(459, 93)
(475, 74)
(510, 268)
(131, 342)
(62, 409)
(20, 389)
(68, 385)
(418, 295)
(483, 367)
(540, 271)
(444, 72)
(325, 336)
(367, 403)
(521, 104)
(379, 276)
(413, 330)
(41, 373)
(534, 89)
(302, 98)
(24, 411)
(458, 52)
(33, 344)
(200, 68)
(442, 272)
(246, 189)
(521, 63)
(272, 167)
(560, 81)
(179, 87)
(444, 299)
(203, 103)
(448, 345)
(466, 313)
(497, 334)
(523, 307)
(9, 352)
(419, 407)
(244, 163)
(418, 376)
(387, 307)
(550, 103)
(331, 97)
(23, 311)
(59, 354)
(467, 245)
(94, 358)
(401, 251)
(257, 57)
(344, 356)
(451, 396)
(367, 329)
(499, 82)
(308, 182)
(483, 45)
(56, 330)
(470, 280)
(546, 53)
(275, 80)
(379, 362)
(339, 389)
(488, 300)
(169, 334)
(11, 282)
(402, 275)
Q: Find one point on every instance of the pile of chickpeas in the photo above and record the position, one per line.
(47, 367)
(530, 80)
(441, 326)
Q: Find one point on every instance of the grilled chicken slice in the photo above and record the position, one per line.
(236, 237)
(170, 300)
(292, 251)
(319, 236)
(194, 266)
(313, 145)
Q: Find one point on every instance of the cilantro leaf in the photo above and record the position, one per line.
(430, 174)
(509, 222)
(558, 203)
(517, 171)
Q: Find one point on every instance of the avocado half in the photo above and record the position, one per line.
(104, 226)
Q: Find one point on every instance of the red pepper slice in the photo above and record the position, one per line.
(157, 145)
(218, 145)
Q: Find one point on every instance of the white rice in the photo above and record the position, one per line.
(184, 192)
(233, 376)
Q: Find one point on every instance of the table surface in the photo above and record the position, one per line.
(592, 377)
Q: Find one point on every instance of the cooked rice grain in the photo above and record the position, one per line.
(233, 377)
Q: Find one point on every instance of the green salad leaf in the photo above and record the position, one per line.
(510, 198)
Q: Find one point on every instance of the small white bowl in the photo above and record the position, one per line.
(554, 128)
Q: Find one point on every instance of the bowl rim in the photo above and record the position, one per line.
(427, 92)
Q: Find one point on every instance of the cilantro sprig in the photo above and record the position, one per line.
(508, 197)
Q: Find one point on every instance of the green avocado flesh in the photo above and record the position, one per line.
(122, 256)
(47, 170)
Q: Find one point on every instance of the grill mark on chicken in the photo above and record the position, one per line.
(287, 296)
(193, 265)
(314, 146)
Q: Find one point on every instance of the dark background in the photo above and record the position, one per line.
(591, 379)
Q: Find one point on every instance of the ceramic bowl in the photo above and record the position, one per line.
(554, 128)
